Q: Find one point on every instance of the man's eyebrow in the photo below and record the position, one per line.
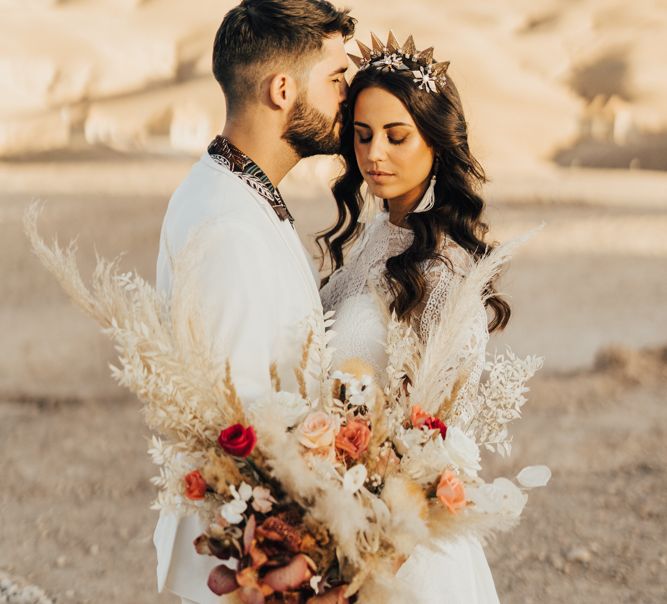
(386, 126)
(339, 70)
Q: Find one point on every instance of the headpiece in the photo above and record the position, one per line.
(427, 74)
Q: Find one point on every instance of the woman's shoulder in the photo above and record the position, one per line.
(456, 258)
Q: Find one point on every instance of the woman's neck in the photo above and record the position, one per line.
(399, 207)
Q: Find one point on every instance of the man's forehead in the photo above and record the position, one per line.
(333, 52)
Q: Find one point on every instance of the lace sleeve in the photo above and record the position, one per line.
(441, 275)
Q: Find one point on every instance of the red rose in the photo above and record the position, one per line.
(433, 423)
(237, 440)
(195, 485)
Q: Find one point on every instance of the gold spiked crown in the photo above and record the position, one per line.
(426, 73)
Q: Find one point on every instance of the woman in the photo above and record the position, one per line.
(405, 137)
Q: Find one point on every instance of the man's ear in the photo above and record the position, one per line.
(283, 90)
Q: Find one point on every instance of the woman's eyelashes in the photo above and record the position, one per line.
(367, 139)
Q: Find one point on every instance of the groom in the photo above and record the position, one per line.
(281, 66)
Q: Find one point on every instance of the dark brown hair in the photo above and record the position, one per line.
(261, 32)
(458, 209)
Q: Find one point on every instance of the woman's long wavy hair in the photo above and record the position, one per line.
(458, 206)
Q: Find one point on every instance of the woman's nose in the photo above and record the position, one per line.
(376, 149)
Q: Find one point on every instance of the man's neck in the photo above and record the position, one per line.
(266, 148)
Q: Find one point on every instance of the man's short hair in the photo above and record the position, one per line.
(259, 33)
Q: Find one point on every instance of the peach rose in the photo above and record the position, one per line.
(353, 439)
(450, 492)
(418, 416)
(317, 431)
(195, 486)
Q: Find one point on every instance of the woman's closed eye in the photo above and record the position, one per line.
(367, 139)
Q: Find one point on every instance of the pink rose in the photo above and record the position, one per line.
(353, 439)
(317, 431)
(450, 492)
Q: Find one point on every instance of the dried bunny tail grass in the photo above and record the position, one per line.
(446, 526)
(383, 585)
(275, 377)
(300, 371)
(441, 355)
(219, 471)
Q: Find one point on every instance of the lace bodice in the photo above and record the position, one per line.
(358, 293)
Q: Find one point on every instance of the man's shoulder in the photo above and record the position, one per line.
(209, 193)
(213, 188)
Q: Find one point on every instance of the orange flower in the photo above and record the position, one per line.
(418, 416)
(195, 485)
(450, 492)
(353, 439)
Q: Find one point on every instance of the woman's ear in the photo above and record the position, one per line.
(283, 91)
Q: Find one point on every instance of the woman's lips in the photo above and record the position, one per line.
(379, 176)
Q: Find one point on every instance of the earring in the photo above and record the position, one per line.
(371, 206)
(428, 200)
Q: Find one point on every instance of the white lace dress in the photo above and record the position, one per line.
(457, 573)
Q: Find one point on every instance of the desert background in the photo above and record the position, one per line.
(104, 106)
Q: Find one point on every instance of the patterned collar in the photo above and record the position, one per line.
(223, 152)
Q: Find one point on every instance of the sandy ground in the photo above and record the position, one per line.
(588, 293)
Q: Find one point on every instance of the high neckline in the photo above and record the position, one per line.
(393, 226)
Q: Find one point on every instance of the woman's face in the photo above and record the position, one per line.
(392, 155)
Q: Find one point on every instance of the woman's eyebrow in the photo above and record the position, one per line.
(386, 126)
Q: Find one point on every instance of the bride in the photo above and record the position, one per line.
(415, 232)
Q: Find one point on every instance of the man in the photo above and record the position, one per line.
(281, 66)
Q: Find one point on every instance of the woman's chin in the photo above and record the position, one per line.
(381, 191)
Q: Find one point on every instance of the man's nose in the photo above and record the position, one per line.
(343, 90)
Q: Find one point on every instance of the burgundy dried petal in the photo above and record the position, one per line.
(276, 529)
(222, 580)
(333, 596)
(251, 595)
(295, 574)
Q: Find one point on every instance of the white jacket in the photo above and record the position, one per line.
(257, 285)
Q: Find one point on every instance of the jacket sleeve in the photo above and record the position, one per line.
(237, 282)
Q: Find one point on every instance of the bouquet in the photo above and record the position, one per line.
(313, 497)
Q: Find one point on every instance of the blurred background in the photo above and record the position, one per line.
(105, 105)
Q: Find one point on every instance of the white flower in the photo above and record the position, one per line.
(462, 450)
(354, 478)
(315, 583)
(426, 463)
(500, 497)
(232, 511)
(244, 492)
(409, 438)
(287, 405)
(262, 500)
(534, 476)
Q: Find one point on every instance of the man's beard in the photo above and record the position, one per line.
(309, 132)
